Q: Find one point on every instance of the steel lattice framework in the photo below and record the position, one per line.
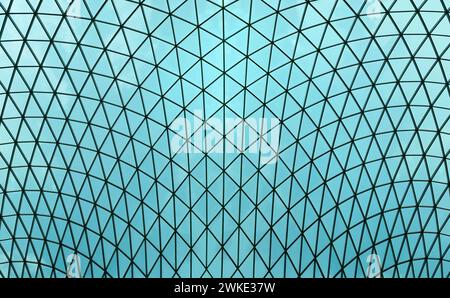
(88, 93)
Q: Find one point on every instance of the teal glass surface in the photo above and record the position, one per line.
(89, 93)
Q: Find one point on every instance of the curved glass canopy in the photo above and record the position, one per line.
(210, 138)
